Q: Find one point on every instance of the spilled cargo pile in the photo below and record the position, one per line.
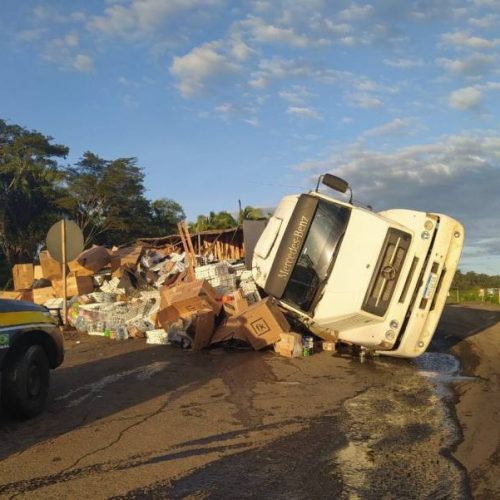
(166, 295)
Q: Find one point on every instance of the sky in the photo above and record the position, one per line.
(251, 100)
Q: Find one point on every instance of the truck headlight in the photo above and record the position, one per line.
(389, 335)
(394, 324)
(425, 235)
(428, 225)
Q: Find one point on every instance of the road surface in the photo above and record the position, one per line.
(128, 420)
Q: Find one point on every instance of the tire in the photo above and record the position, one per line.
(25, 383)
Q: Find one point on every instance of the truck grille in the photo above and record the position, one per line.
(385, 277)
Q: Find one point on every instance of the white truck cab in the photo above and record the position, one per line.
(377, 280)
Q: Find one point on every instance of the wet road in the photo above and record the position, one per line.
(127, 420)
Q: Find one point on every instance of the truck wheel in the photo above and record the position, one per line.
(25, 383)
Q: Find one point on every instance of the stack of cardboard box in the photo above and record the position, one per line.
(109, 287)
(40, 283)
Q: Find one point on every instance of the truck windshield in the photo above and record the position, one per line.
(317, 254)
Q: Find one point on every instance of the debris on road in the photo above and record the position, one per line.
(167, 294)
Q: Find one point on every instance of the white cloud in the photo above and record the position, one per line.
(295, 95)
(225, 108)
(340, 29)
(465, 98)
(398, 126)
(403, 63)
(71, 40)
(485, 22)
(362, 91)
(31, 35)
(44, 13)
(200, 66)
(470, 97)
(366, 101)
(349, 40)
(262, 6)
(356, 12)
(487, 3)
(491, 86)
(78, 16)
(366, 85)
(447, 176)
(465, 39)
(423, 10)
(229, 111)
(136, 18)
(278, 68)
(474, 65)
(303, 112)
(83, 63)
(65, 52)
(240, 50)
(261, 32)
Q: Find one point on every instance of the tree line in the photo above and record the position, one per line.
(106, 198)
(474, 281)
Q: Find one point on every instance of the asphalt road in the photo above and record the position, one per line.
(128, 420)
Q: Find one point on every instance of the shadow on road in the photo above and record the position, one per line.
(103, 379)
(98, 388)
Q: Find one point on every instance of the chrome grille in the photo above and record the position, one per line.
(387, 271)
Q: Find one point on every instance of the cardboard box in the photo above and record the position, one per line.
(90, 261)
(229, 330)
(166, 316)
(17, 295)
(176, 279)
(203, 329)
(23, 275)
(42, 295)
(76, 285)
(52, 270)
(79, 270)
(263, 323)
(234, 303)
(127, 256)
(200, 331)
(289, 345)
(38, 273)
(188, 298)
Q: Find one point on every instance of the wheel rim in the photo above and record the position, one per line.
(34, 381)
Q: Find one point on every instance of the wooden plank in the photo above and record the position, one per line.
(190, 259)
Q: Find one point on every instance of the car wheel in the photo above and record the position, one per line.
(25, 383)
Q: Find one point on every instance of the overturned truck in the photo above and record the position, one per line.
(377, 280)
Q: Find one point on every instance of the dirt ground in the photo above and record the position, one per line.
(128, 420)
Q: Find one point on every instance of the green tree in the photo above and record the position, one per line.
(250, 213)
(30, 190)
(222, 220)
(166, 214)
(85, 200)
(106, 198)
(471, 280)
(214, 220)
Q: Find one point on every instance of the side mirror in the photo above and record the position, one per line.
(334, 182)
